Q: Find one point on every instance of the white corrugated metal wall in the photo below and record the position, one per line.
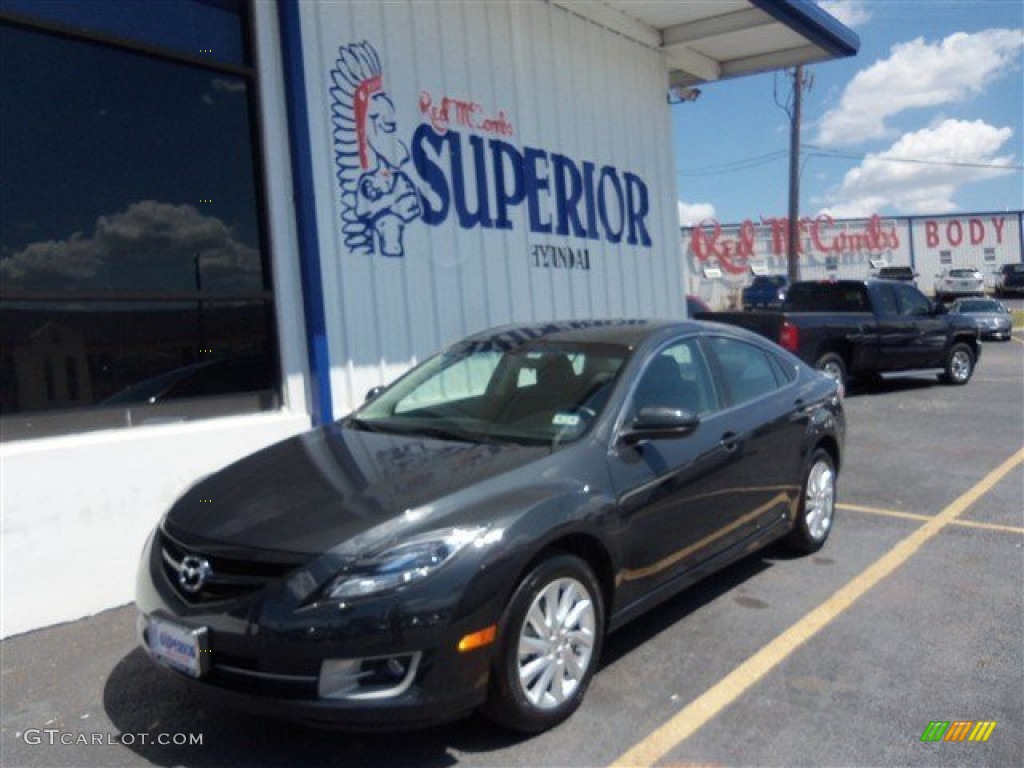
(566, 86)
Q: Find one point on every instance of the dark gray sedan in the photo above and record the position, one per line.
(468, 537)
(992, 317)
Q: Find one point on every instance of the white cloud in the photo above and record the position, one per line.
(691, 214)
(923, 187)
(852, 13)
(919, 74)
(148, 246)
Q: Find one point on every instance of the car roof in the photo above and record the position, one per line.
(624, 331)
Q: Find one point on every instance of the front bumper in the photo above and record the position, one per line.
(266, 650)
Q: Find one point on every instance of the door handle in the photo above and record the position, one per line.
(730, 442)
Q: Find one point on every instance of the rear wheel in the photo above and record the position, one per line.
(817, 505)
(831, 364)
(549, 642)
(959, 365)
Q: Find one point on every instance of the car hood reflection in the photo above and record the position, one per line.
(311, 492)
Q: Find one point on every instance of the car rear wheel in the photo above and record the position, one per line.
(549, 641)
(832, 365)
(959, 365)
(817, 505)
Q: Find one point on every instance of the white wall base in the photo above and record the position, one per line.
(76, 510)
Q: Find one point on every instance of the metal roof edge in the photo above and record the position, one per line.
(815, 24)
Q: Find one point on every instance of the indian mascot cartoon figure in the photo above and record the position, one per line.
(378, 198)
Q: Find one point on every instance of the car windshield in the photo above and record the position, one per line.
(980, 305)
(538, 393)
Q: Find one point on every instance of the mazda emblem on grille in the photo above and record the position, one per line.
(193, 571)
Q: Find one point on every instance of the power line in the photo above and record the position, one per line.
(824, 152)
(733, 166)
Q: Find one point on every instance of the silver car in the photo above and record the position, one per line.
(992, 317)
(953, 283)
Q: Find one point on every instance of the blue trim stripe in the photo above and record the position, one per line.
(305, 211)
(819, 27)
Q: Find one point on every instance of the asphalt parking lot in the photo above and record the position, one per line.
(912, 613)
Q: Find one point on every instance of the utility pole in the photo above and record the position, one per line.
(793, 233)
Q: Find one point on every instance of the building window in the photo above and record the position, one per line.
(133, 268)
(990, 254)
(945, 257)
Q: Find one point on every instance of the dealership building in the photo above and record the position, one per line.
(722, 259)
(223, 221)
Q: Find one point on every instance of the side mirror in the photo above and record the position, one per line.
(373, 393)
(659, 423)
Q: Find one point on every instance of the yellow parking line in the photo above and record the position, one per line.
(915, 516)
(692, 717)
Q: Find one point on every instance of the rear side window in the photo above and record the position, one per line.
(748, 371)
(828, 297)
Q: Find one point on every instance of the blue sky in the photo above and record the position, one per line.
(939, 82)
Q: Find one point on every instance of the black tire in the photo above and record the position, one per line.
(519, 698)
(959, 365)
(816, 512)
(833, 365)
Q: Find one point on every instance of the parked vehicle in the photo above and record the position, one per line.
(765, 292)
(1010, 280)
(992, 317)
(953, 283)
(866, 327)
(468, 536)
(902, 274)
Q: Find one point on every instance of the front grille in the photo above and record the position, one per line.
(227, 578)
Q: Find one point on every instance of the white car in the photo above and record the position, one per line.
(953, 283)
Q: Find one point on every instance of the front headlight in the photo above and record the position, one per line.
(405, 563)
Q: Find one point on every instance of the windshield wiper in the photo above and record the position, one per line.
(366, 426)
(444, 433)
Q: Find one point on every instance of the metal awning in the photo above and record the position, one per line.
(707, 40)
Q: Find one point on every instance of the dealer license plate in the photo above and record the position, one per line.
(183, 648)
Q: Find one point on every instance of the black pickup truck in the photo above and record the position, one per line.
(862, 328)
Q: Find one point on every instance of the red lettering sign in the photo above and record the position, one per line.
(708, 241)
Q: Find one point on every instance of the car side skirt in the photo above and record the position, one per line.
(757, 540)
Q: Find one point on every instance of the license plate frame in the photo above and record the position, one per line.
(182, 648)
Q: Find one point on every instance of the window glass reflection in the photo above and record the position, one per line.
(132, 267)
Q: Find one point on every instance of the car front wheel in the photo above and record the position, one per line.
(817, 505)
(549, 641)
(959, 365)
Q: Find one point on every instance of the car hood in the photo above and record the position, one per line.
(311, 492)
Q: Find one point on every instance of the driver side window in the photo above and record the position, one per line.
(677, 378)
(912, 303)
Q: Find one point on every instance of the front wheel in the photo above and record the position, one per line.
(959, 365)
(549, 642)
(817, 505)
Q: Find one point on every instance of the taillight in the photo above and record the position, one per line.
(789, 336)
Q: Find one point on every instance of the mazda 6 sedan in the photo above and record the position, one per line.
(466, 539)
